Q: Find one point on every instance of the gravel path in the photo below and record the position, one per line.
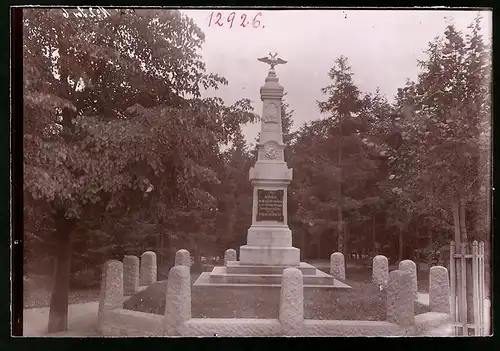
(82, 320)
(447, 330)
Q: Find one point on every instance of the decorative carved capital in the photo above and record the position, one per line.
(271, 152)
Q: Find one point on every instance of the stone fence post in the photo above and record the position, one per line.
(182, 258)
(337, 266)
(229, 255)
(130, 275)
(400, 302)
(178, 300)
(291, 313)
(439, 289)
(410, 267)
(148, 268)
(111, 286)
(380, 271)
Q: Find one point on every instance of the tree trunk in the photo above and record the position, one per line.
(303, 251)
(318, 249)
(458, 239)
(58, 314)
(468, 267)
(157, 247)
(400, 254)
(339, 194)
(346, 242)
(374, 237)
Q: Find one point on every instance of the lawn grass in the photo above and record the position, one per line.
(362, 302)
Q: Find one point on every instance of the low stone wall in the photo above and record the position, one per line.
(351, 328)
(177, 321)
(231, 327)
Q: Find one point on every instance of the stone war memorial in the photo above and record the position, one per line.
(269, 249)
(269, 260)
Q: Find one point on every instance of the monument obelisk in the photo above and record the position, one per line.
(269, 240)
(269, 247)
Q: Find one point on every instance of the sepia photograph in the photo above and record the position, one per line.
(254, 172)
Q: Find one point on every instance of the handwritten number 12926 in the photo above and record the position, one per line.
(219, 20)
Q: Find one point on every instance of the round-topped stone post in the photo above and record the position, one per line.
(439, 289)
(410, 267)
(148, 269)
(229, 255)
(130, 275)
(380, 274)
(337, 266)
(182, 258)
(111, 286)
(400, 302)
(291, 314)
(178, 300)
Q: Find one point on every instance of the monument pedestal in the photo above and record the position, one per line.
(269, 245)
(269, 255)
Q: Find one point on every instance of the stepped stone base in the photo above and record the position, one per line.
(235, 267)
(237, 274)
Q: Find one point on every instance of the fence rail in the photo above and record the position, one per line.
(467, 318)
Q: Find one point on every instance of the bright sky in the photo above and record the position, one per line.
(382, 47)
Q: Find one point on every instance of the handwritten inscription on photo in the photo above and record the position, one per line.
(98, 12)
(218, 19)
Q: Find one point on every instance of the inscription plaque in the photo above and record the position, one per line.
(270, 205)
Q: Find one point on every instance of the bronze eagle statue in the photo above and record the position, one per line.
(273, 60)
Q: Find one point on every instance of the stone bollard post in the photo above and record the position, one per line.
(111, 286)
(178, 300)
(291, 314)
(337, 266)
(380, 271)
(229, 255)
(182, 258)
(148, 268)
(130, 275)
(439, 289)
(410, 267)
(400, 302)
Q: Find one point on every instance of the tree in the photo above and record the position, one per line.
(344, 105)
(447, 112)
(115, 132)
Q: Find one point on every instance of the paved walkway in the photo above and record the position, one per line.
(82, 320)
(447, 330)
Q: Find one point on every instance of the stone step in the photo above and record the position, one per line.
(204, 281)
(220, 276)
(235, 267)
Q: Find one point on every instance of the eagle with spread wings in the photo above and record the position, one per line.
(273, 60)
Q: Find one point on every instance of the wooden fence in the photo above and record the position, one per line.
(470, 260)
